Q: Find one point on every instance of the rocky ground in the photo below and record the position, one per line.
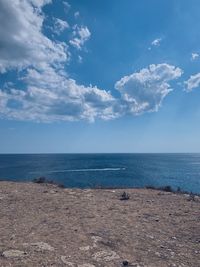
(43, 225)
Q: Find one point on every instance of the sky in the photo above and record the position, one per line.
(90, 76)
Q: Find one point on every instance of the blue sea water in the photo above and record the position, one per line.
(106, 170)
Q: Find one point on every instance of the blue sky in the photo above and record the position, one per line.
(99, 76)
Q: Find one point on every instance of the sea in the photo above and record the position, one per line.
(105, 170)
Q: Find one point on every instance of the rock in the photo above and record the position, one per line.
(65, 261)
(13, 253)
(125, 263)
(105, 256)
(40, 246)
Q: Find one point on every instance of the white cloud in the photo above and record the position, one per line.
(194, 56)
(81, 35)
(80, 59)
(145, 90)
(76, 14)
(59, 26)
(39, 3)
(192, 82)
(22, 42)
(52, 96)
(47, 92)
(156, 42)
(67, 6)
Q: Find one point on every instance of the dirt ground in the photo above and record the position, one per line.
(43, 225)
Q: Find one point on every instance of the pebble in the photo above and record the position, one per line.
(86, 248)
(157, 254)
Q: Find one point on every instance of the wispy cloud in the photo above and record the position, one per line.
(155, 43)
(76, 14)
(59, 26)
(192, 83)
(67, 6)
(194, 56)
(81, 35)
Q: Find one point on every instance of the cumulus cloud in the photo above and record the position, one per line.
(194, 56)
(68, 103)
(60, 25)
(51, 96)
(81, 35)
(192, 83)
(145, 90)
(22, 42)
(46, 92)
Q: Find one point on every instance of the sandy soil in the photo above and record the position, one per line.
(42, 225)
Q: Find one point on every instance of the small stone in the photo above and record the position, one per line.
(53, 191)
(150, 236)
(157, 254)
(96, 238)
(13, 253)
(2, 196)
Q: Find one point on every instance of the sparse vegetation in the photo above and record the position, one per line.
(44, 180)
(167, 188)
(177, 191)
(125, 196)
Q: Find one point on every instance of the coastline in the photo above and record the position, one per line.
(44, 225)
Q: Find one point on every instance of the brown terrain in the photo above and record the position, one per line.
(43, 225)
